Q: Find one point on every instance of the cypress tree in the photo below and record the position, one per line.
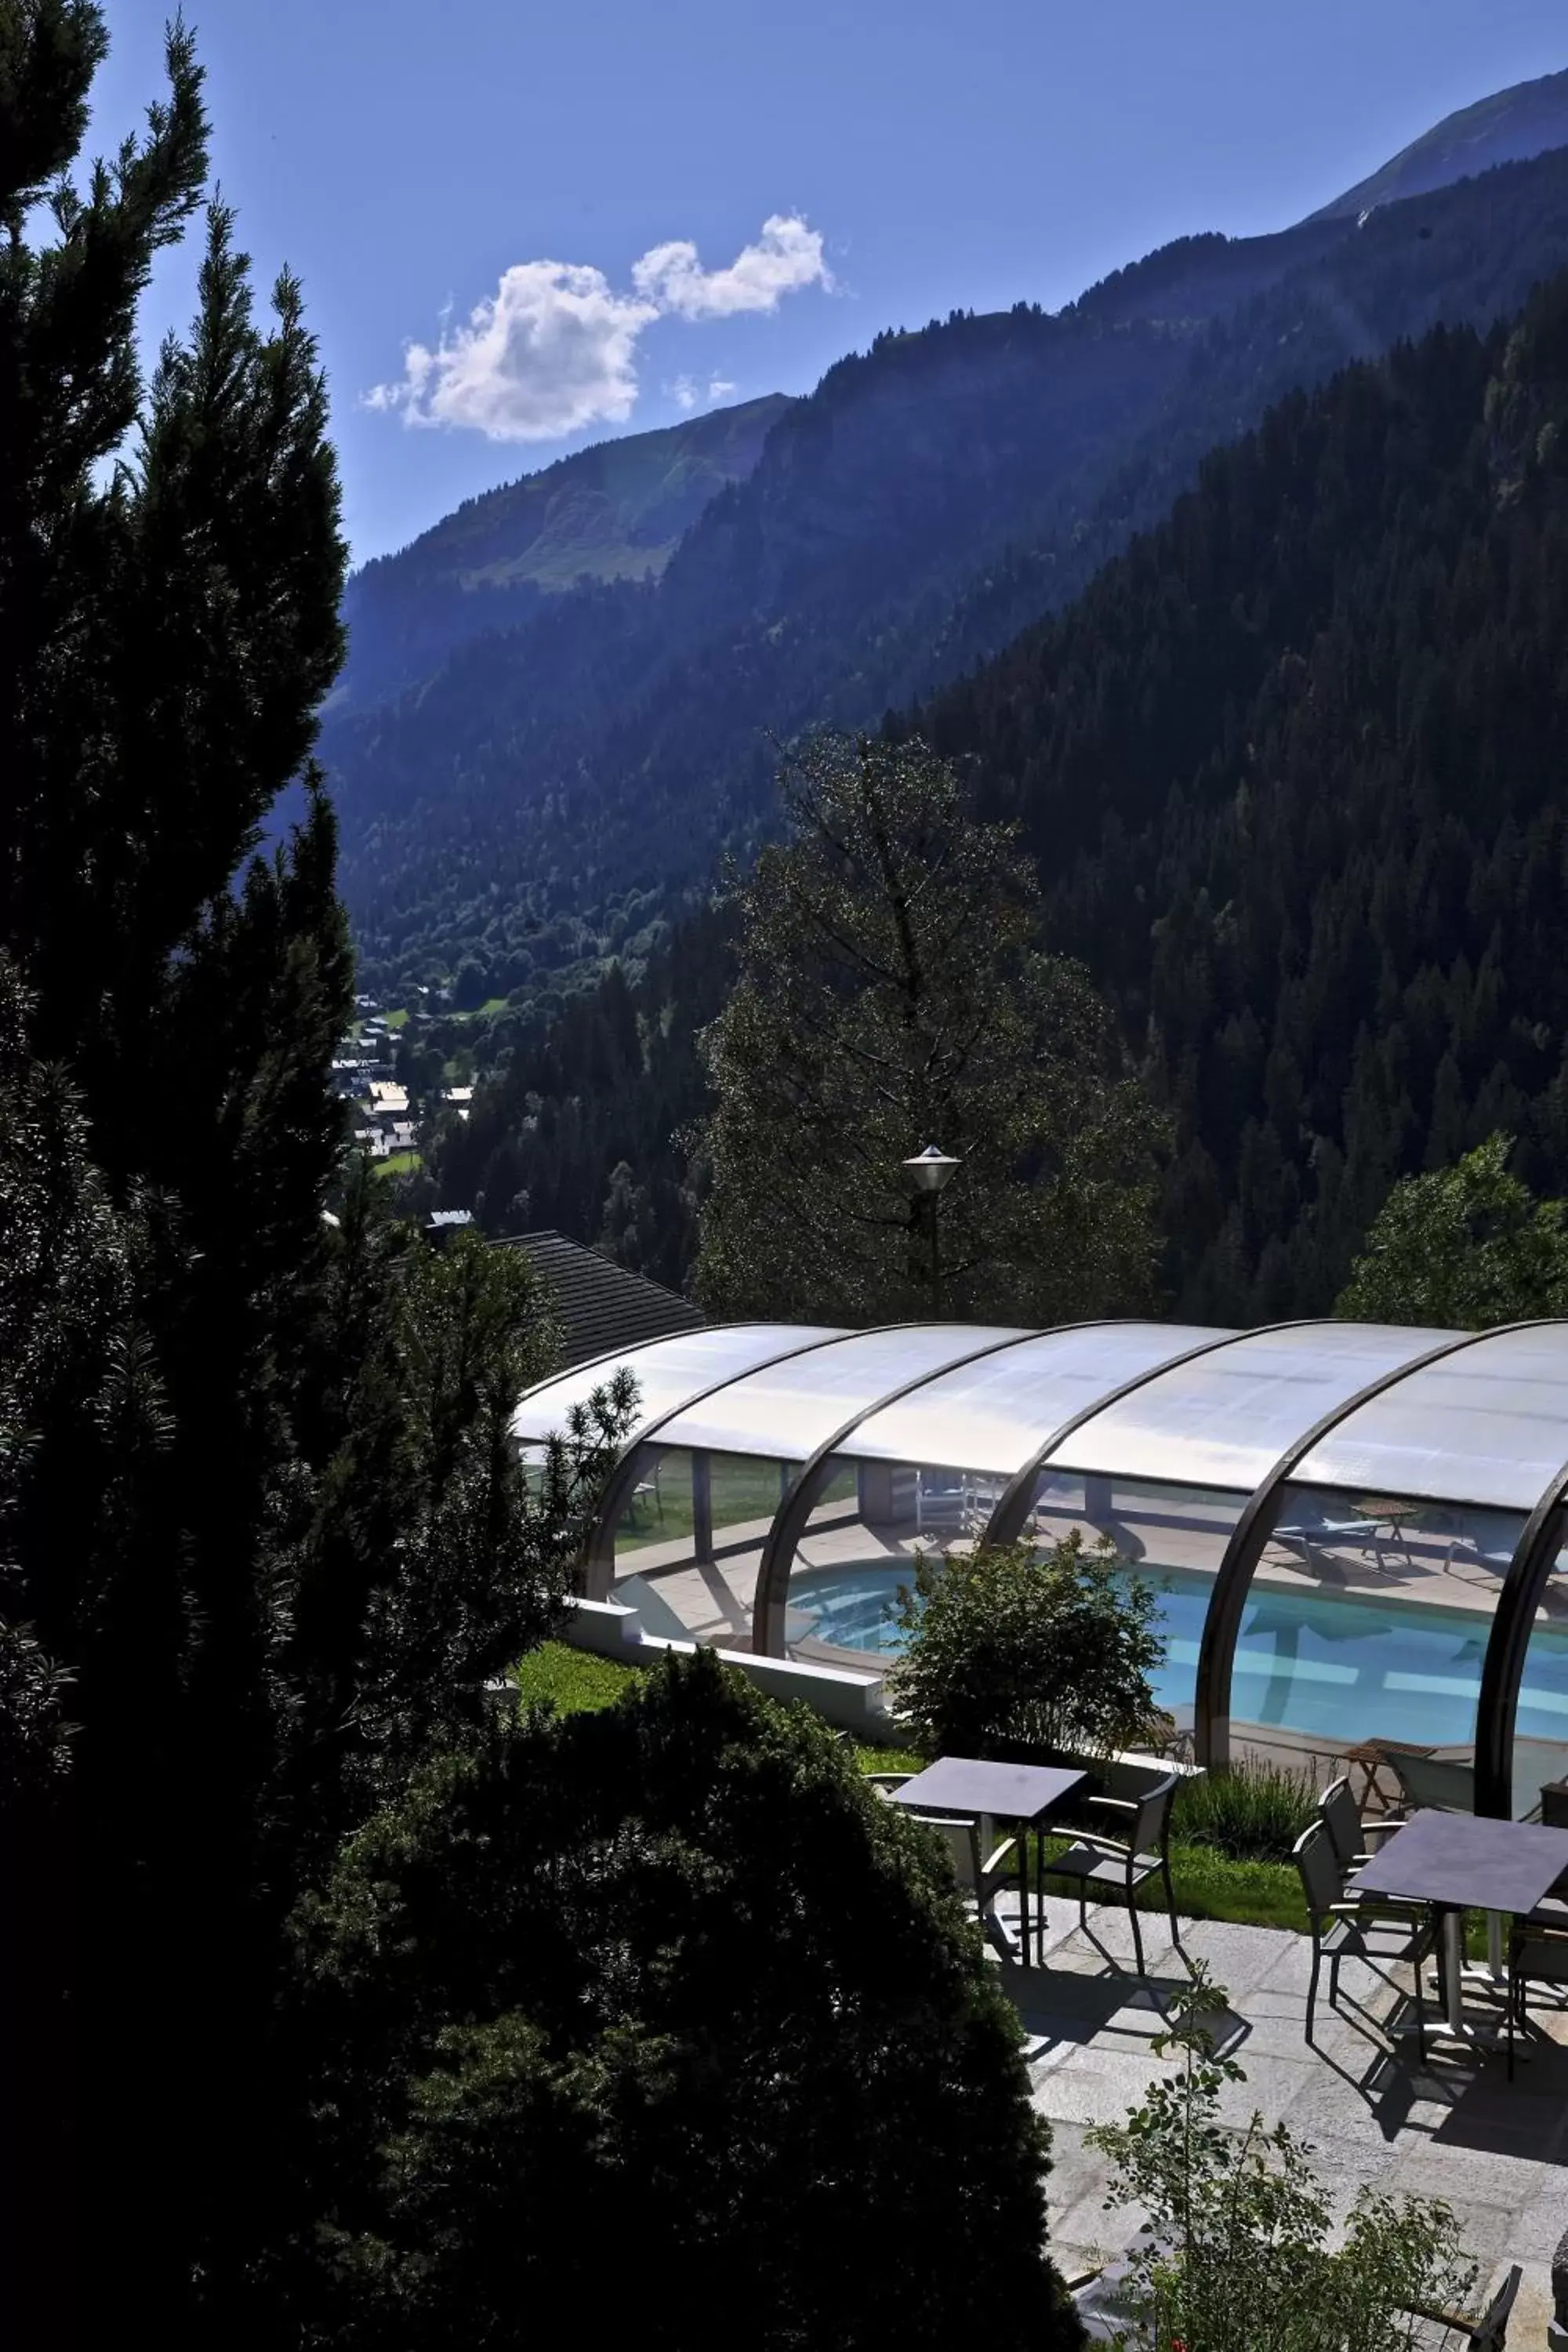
(170, 569)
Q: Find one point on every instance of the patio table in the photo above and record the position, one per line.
(1464, 1862)
(972, 1786)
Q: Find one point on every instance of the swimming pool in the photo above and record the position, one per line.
(1307, 1662)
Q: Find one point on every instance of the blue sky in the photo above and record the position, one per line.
(790, 183)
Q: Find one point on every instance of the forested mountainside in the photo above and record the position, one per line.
(612, 512)
(1294, 771)
(535, 802)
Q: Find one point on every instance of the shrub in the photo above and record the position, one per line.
(1237, 2257)
(1253, 1812)
(1016, 1652)
(658, 2010)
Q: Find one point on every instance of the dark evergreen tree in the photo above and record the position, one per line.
(263, 1534)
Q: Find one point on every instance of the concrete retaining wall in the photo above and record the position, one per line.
(856, 1702)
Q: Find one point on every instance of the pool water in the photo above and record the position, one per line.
(1307, 1662)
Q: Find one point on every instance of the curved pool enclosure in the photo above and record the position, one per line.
(1357, 1531)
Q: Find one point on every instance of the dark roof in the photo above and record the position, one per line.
(602, 1305)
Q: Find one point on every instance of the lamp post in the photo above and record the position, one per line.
(929, 1171)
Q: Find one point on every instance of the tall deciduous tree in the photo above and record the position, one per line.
(1463, 1248)
(894, 992)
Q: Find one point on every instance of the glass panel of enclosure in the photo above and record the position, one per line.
(1173, 1536)
(1224, 1418)
(1489, 1422)
(687, 1503)
(667, 1372)
(796, 1404)
(1368, 1618)
(1541, 1729)
(998, 1410)
(860, 1543)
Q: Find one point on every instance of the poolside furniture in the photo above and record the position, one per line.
(1457, 1862)
(1390, 1512)
(948, 1502)
(976, 1789)
(1321, 1534)
(1489, 2332)
(1374, 1758)
(1111, 1865)
(1348, 1834)
(1435, 1784)
(648, 1490)
(1341, 1926)
(980, 1875)
(1537, 1954)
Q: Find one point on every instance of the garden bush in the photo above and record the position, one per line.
(1012, 1652)
(1239, 2254)
(1252, 1812)
(652, 2011)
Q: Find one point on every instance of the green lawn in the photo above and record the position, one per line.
(398, 1019)
(1209, 1886)
(398, 1163)
(576, 1682)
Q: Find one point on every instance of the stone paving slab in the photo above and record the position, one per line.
(1455, 2129)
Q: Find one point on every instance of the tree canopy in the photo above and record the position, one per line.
(262, 1539)
(1462, 1248)
(666, 1977)
(894, 991)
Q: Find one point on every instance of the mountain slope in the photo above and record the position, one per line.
(1292, 770)
(535, 803)
(1510, 127)
(615, 511)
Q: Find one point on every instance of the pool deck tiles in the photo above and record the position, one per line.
(1498, 2153)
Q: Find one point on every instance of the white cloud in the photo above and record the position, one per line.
(685, 392)
(554, 348)
(786, 258)
(550, 351)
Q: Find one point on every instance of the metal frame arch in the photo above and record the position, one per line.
(598, 1553)
(1232, 1578)
(1508, 1645)
(1006, 1524)
(771, 1599)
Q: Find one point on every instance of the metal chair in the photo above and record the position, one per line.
(1111, 1865)
(1537, 1954)
(1341, 1928)
(1489, 2332)
(980, 1875)
(1337, 1811)
(1348, 1834)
